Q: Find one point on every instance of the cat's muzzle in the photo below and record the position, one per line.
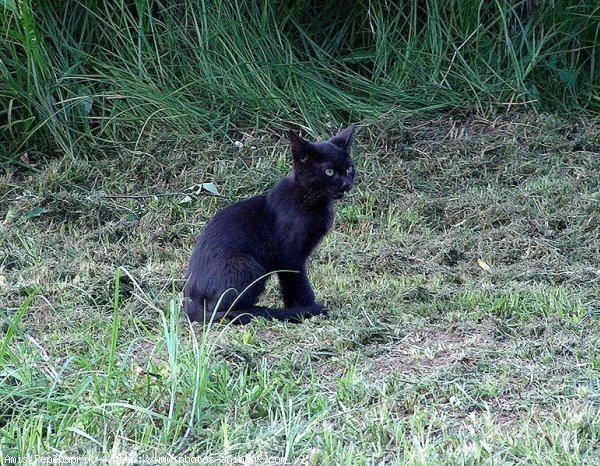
(339, 193)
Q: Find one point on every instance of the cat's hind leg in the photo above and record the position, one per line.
(239, 285)
(233, 283)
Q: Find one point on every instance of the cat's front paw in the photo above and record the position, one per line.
(318, 309)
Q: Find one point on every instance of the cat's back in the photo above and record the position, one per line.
(236, 223)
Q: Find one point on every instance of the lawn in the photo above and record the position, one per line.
(463, 274)
(463, 271)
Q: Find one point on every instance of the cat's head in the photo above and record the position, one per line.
(324, 168)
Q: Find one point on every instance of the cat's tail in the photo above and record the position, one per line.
(290, 314)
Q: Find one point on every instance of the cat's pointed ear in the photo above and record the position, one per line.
(344, 138)
(300, 148)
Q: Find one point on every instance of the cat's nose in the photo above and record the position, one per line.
(346, 186)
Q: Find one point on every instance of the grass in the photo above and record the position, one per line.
(430, 357)
(76, 76)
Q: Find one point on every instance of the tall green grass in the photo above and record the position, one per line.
(77, 74)
(151, 390)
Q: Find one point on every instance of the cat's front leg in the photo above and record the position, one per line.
(296, 288)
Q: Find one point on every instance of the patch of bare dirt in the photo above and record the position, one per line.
(428, 349)
(270, 335)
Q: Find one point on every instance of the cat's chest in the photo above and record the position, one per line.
(300, 231)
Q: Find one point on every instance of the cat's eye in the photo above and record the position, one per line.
(350, 170)
(329, 172)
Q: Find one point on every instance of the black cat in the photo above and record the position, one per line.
(271, 232)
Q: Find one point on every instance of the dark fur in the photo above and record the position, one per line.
(271, 232)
